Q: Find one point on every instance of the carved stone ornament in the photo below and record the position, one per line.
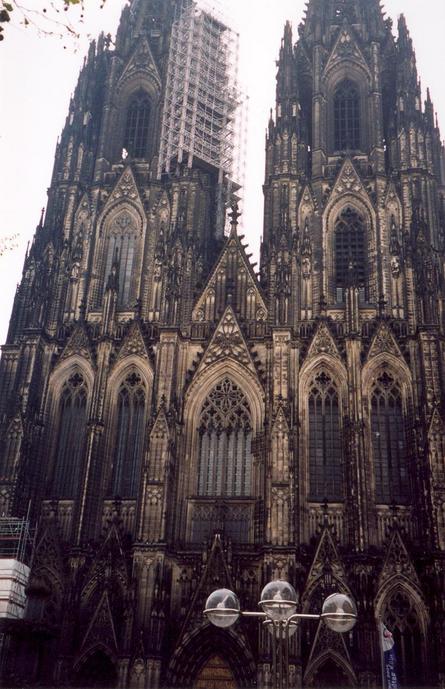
(323, 343)
(397, 562)
(384, 342)
(126, 187)
(349, 180)
(78, 344)
(228, 342)
(133, 344)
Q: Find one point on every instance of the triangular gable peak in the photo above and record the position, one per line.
(280, 423)
(78, 344)
(384, 342)
(233, 281)
(101, 631)
(323, 343)
(215, 575)
(160, 428)
(397, 563)
(348, 182)
(327, 644)
(109, 552)
(161, 207)
(227, 343)
(326, 558)
(133, 344)
(392, 200)
(437, 425)
(125, 189)
(141, 63)
(346, 48)
(307, 205)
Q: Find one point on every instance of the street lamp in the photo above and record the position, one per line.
(279, 614)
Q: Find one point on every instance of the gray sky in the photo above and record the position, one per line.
(38, 75)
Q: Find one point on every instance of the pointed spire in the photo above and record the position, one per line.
(287, 89)
(234, 216)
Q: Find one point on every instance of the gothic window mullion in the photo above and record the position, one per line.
(226, 460)
(128, 445)
(346, 117)
(389, 442)
(71, 438)
(325, 451)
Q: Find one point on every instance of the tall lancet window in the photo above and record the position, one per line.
(71, 436)
(326, 474)
(136, 128)
(121, 247)
(389, 444)
(350, 253)
(129, 444)
(346, 117)
(225, 455)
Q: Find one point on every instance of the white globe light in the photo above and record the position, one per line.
(339, 612)
(279, 600)
(222, 608)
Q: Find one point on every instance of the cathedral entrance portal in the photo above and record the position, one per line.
(330, 676)
(97, 671)
(216, 674)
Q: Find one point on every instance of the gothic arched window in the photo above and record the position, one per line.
(121, 247)
(389, 442)
(225, 443)
(350, 253)
(71, 435)
(129, 444)
(401, 618)
(136, 127)
(347, 117)
(325, 446)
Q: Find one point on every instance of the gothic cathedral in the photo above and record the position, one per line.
(175, 422)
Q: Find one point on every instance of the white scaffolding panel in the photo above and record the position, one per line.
(204, 110)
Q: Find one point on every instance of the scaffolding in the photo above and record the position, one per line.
(204, 112)
(15, 559)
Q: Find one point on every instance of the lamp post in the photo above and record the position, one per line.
(279, 614)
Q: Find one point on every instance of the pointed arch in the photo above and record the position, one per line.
(322, 403)
(202, 384)
(222, 455)
(137, 123)
(127, 409)
(347, 116)
(400, 606)
(345, 217)
(225, 439)
(329, 669)
(198, 647)
(121, 242)
(387, 400)
(70, 388)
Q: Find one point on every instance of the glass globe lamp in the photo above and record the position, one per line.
(339, 612)
(278, 600)
(222, 608)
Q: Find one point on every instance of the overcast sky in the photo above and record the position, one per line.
(38, 75)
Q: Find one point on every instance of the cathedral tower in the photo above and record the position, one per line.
(175, 423)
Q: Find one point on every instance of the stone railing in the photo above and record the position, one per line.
(231, 517)
(387, 517)
(332, 514)
(63, 512)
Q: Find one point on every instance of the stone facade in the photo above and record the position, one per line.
(174, 422)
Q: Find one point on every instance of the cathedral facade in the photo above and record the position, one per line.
(174, 422)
